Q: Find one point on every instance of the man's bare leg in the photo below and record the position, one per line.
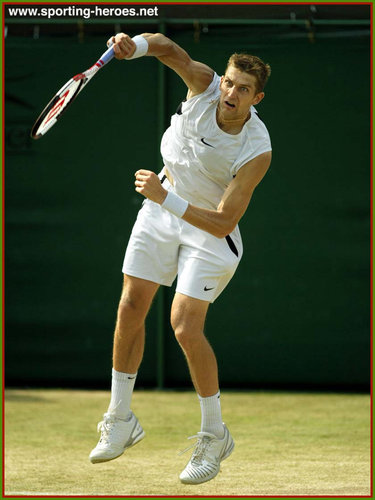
(120, 428)
(129, 340)
(188, 317)
(214, 443)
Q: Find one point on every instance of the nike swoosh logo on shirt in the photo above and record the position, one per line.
(206, 143)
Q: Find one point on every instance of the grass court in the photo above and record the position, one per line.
(286, 444)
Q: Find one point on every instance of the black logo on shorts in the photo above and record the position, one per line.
(207, 289)
(206, 143)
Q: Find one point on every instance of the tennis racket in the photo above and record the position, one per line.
(66, 95)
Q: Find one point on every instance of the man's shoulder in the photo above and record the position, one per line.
(212, 91)
(256, 123)
(193, 107)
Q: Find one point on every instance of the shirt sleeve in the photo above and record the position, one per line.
(211, 91)
(257, 142)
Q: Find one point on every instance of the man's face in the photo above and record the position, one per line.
(238, 93)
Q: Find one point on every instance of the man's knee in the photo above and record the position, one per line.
(135, 300)
(129, 306)
(187, 334)
(178, 323)
(187, 320)
(188, 338)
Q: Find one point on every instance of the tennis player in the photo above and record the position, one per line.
(215, 153)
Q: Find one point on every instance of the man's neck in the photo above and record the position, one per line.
(231, 126)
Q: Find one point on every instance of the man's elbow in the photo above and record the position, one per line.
(223, 230)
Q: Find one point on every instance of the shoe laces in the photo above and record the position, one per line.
(106, 426)
(204, 441)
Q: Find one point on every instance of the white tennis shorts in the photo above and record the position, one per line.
(163, 246)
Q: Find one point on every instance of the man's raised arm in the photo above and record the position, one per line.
(196, 75)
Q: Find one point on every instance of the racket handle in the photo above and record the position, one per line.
(106, 57)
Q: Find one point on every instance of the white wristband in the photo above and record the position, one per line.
(141, 47)
(175, 204)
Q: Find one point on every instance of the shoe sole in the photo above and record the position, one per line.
(98, 460)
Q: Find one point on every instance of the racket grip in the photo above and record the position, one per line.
(107, 56)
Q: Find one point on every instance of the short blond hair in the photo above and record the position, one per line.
(252, 65)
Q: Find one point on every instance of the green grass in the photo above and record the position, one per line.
(286, 444)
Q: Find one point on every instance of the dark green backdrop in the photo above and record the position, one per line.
(297, 313)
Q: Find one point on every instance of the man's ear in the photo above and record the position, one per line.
(258, 98)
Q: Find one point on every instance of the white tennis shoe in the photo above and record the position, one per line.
(209, 452)
(116, 436)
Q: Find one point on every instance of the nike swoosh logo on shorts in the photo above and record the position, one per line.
(207, 289)
(206, 143)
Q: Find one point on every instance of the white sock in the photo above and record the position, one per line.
(211, 415)
(121, 393)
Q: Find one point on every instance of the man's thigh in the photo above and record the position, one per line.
(138, 294)
(188, 312)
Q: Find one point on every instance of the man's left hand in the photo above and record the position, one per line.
(148, 184)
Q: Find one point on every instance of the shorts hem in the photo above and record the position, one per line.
(136, 274)
(195, 295)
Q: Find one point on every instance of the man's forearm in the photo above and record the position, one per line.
(218, 222)
(212, 221)
(158, 44)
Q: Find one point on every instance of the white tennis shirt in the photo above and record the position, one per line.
(201, 158)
